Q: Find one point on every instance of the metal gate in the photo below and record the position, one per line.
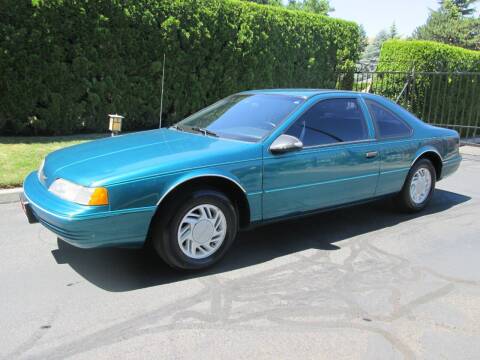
(448, 99)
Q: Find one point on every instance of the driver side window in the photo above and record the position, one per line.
(330, 121)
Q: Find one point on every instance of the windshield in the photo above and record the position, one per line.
(248, 117)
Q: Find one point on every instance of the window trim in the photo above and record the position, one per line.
(396, 116)
(358, 100)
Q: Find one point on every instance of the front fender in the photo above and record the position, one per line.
(149, 192)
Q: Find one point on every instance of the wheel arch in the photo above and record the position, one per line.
(434, 156)
(222, 183)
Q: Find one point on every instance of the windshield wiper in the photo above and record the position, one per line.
(204, 131)
(176, 127)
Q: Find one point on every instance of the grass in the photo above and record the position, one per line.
(21, 155)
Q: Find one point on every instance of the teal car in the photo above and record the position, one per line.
(254, 157)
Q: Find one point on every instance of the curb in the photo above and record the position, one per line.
(10, 195)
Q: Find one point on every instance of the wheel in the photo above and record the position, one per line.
(419, 186)
(195, 231)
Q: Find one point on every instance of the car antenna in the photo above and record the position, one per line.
(161, 96)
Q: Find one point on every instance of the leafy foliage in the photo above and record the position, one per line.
(403, 55)
(315, 6)
(465, 6)
(449, 26)
(448, 96)
(321, 7)
(66, 64)
(267, 2)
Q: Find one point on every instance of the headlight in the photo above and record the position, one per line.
(79, 194)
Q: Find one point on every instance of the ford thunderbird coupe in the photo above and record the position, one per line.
(251, 158)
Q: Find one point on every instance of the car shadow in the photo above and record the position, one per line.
(119, 270)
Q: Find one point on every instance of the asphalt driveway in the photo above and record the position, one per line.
(365, 282)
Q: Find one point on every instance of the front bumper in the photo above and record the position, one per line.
(27, 209)
(84, 226)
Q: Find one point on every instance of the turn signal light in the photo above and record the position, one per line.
(99, 197)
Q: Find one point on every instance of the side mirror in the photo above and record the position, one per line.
(285, 143)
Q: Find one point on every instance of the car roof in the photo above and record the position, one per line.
(303, 93)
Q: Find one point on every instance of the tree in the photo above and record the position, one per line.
(315, 6)
(449, 26)
(372, 50)
(393, 32)
(363, 38)
(465, 6)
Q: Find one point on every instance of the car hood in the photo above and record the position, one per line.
(147, 153)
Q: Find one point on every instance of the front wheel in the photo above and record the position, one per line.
(195, 232)
(419, 186)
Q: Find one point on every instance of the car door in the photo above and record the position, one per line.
(338, 163)
(396, 147)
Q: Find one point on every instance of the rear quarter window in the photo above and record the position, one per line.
(387, 124)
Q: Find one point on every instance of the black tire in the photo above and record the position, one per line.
(405, 199)
(165, 227)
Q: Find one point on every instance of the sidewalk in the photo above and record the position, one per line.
(9, 195)
(470, 150)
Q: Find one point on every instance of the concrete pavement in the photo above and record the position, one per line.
(10, 195)
(359, 283)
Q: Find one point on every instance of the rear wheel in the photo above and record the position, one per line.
(194, 232)
(419, 186)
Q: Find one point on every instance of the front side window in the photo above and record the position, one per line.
(330, 121)
(248, 117)
(387, 124)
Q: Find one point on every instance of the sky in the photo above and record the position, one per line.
(376, 15)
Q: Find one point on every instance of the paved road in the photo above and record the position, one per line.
(364, 282)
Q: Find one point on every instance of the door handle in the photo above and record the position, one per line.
(371, 154)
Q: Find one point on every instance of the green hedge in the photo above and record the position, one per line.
(444, 88)
(66, 64)
(403, 55)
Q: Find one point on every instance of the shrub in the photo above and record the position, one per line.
(444, 87)
(66, 64)
(403, 55)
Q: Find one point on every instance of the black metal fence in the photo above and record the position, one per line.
(448, 99)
